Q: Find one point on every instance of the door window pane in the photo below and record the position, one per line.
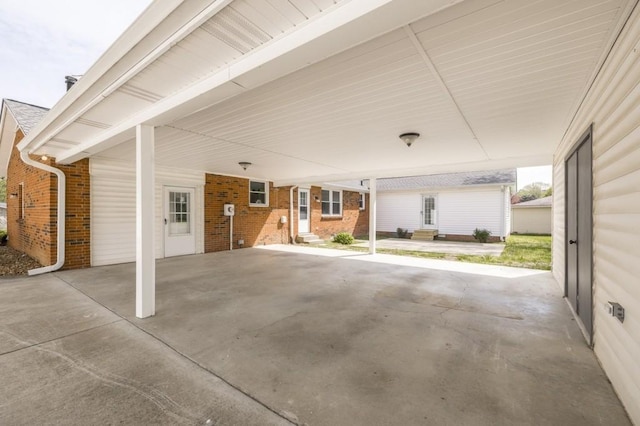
(179, 213)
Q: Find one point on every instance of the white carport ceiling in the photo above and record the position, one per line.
(487, 83)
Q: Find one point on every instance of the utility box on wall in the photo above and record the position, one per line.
(229, 210)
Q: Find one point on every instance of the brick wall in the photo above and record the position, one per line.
(36, 233)
(353, 220)
(255, 225)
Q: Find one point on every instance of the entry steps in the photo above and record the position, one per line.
(308, 238)
(424, 234)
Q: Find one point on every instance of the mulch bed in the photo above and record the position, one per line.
(14, 263)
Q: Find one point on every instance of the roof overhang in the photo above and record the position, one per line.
(322, 95)
(8, 128)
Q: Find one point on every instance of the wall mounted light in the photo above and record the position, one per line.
(44, 157)
(244, 164)
(13, 195)
(409, 138)
(315, 197)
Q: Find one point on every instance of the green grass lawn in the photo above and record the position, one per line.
(523, 251)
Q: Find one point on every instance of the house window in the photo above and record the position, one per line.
(331, 203)
(21, 200)
(258, 193)
(362, 201)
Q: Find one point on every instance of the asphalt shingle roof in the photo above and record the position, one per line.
(539, 202)
(493, 177)
(27, 115)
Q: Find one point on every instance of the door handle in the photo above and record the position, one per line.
(165, 220)
(573, 241)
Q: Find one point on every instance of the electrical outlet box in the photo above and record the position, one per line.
(240, 242)
(616, 310)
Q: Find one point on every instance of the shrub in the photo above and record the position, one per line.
(481, 235)
(343, 238)
(402, 232)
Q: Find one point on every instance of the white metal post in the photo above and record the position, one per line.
(372, 216)
(145, 217)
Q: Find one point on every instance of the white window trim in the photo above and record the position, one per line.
(362, 201)
(331, 191)
(266, 197)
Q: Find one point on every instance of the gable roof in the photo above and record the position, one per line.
(539, 202)
(26, 115)
(492, 177)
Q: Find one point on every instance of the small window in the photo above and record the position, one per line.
(21, 200)
(331, 203)
(362, 201)
(258, 193)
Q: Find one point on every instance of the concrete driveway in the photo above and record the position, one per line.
(298, 335)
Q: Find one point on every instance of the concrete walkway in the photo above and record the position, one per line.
(288, 335)
(449, 247)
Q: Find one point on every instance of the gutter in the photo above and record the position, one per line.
(291, 237)
(24, 156)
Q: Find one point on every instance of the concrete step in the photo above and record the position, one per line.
(308, 238)
(424, 234)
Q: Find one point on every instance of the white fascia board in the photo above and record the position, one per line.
(153, 15)
(271, 61)
(6, 142)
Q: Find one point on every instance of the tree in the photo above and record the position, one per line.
(533, 191)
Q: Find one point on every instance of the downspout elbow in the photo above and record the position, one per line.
(24, 156)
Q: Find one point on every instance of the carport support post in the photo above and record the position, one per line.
(145, 217)
(372, 216)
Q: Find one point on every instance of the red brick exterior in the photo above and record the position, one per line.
(262, 225)
(36, 233)
(254, 225)
(353, 220)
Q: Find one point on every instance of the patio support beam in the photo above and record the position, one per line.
(372, 215)
(145, 217)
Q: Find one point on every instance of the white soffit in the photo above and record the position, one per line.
(487, 83)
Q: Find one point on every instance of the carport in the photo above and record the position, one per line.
(315, 91)
(326, 338)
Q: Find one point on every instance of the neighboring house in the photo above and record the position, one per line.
(101, 208)
(448, 206)
(532, 217)
(3, 216)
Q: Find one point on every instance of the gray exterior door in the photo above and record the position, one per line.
(579, 238)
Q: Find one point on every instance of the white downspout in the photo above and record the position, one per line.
(291, 237)
(503, 216)
(24, 156)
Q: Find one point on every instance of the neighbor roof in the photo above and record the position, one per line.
(27, 116)
(493, 177)
(539, 202)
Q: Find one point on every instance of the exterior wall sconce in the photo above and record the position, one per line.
(244, 164)
(13, 195)
(409, 138)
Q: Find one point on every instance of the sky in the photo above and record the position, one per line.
(41, 41)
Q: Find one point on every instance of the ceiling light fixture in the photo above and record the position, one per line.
(409, 138)
(244, 164)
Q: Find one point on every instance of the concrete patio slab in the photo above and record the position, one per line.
(68, 360)
(340, 341)
(448, 247)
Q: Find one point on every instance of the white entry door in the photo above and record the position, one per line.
(429, 211)
(303, 210)
(179, 225)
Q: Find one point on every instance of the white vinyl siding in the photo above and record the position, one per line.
(613, 106)
(532, 220)
(458, 212)
(113, 209)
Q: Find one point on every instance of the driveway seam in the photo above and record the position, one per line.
(31, 345)
(185, 356)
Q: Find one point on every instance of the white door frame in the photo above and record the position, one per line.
(303, 224)
(179, 242)
(433, 215)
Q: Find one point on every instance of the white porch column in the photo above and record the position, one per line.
(145, 217)
(372, 216)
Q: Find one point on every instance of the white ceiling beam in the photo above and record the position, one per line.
(504, 163)
(436, 75)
